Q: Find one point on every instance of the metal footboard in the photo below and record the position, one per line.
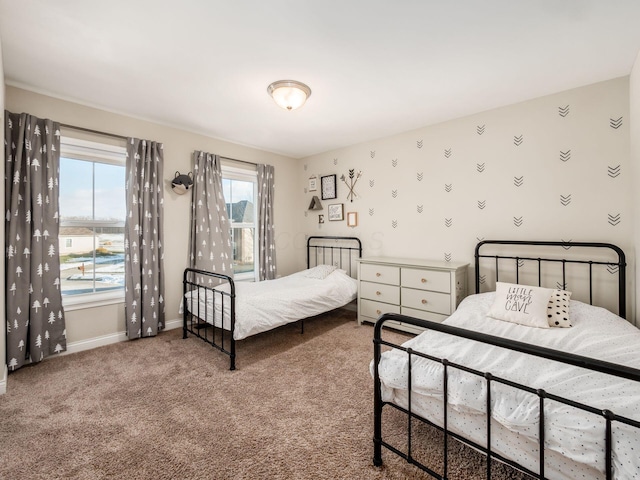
(591, 364)
(200, 315)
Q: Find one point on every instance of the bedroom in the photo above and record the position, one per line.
(452, 184)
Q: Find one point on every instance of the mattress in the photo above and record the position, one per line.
(262, 306)
(574, 447)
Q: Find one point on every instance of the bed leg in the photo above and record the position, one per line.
(232, 353)
(184, 326)
(377, 435)
(377, 397)
(377, 453)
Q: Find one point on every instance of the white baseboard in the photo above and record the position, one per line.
(90, 343)
(108, 339)
(171, 324)
(3, 381)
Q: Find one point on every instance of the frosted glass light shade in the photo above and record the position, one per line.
(289, 94)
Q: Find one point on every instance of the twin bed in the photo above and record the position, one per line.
(557, 403)
(221, 311)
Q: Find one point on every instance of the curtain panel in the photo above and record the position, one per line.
(34, 315)
(210, 242)
(143, 243)
(266, 235)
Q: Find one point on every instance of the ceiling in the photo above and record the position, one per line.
(375, 67)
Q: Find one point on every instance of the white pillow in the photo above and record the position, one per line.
(320, 271)
(521, 304)
(558, 309)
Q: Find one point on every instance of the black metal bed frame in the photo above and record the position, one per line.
(567, 358)
(620, 264)
(334, 250)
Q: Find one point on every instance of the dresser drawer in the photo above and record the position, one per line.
(426, 280)
(425, 300)
(380, 292)
(380, 273)
(423, 315)
(369, 308)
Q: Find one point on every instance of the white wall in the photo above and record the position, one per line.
(634, 107)
(108, 321)
(501, 174)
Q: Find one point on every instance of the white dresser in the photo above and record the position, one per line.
(430, 290)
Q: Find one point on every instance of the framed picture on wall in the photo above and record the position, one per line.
(336, 212)
(352, 219)
(328, 186)
(313, 183)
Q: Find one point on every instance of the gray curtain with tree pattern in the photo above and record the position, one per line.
(34, 313)
(144, 257)
(266, 235)
(210, 243)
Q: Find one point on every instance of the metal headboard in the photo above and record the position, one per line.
(339, 251)
(619, 265)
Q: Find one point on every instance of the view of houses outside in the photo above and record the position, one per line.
(242, 238)
(91, 237)
(239, 195)
(81, 264)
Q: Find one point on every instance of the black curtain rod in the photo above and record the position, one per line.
(122, 137)
(239, 161)
(97, 132)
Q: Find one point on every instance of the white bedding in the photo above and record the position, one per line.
(262, 306)
(574, 448)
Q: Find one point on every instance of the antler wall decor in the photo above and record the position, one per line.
(353, 179)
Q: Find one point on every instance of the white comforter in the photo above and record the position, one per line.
(262, 306)
(596, 333)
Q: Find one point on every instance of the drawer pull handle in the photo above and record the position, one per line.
(424, 280)
(424, 302)
(378, 293)
(378, 274)
(379, 312)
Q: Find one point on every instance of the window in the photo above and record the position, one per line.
(240, 190)
(92, 216)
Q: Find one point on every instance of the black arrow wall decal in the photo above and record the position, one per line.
(615, 123)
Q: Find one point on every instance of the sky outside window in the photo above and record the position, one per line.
(76, 195)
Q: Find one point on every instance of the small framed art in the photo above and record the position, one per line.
(328, 186)
(313, 183)
(352, 219)
(336, 212)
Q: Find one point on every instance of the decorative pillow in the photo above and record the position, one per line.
(558, 309)
(521, 304)
(320, 271)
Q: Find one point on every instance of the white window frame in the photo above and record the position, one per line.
(245, 175)
(79, 149)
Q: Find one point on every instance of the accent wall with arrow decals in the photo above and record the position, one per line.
(553, 167)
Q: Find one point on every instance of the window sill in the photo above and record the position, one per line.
(244, 277)
(91, 300)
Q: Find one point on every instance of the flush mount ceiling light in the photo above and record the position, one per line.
(289, 94)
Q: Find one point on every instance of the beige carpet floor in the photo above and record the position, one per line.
(298, 407)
